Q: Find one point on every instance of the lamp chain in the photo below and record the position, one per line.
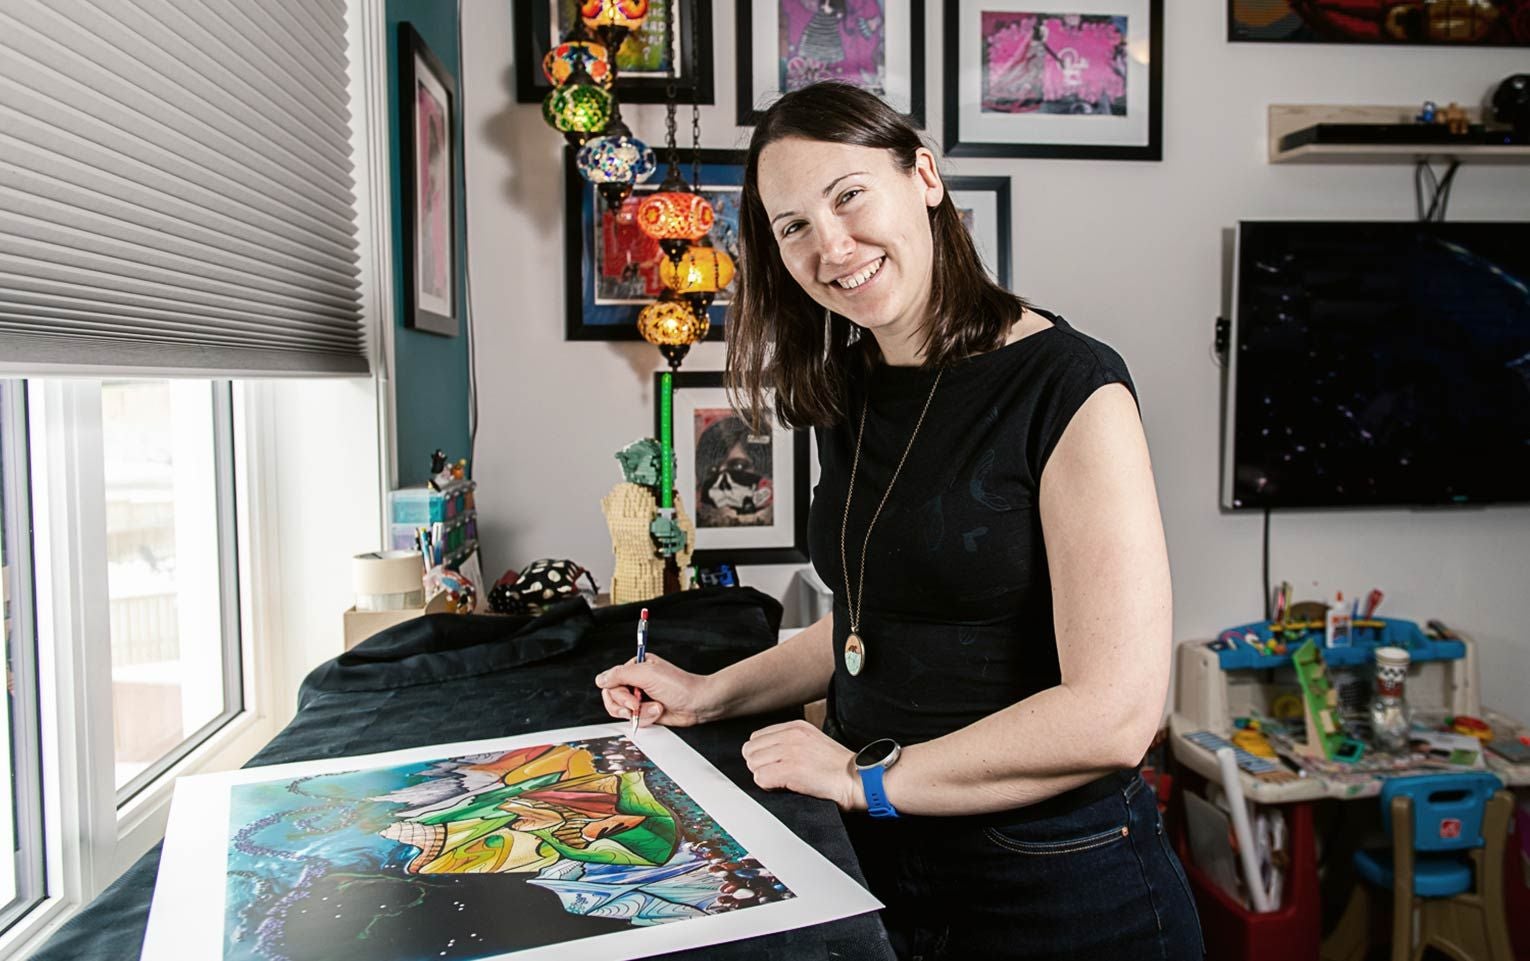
(670, 93)
(695, 110)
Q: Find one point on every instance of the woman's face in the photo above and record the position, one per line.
(854, 229)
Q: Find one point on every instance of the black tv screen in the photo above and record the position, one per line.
(1378, 364)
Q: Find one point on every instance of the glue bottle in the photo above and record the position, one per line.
(1336, 626)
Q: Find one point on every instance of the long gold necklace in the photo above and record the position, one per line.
(855, 647)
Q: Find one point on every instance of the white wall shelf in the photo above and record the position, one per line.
(1288, 118)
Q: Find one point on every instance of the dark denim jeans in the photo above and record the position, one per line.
(1098, 882)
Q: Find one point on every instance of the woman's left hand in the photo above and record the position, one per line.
(799, 757)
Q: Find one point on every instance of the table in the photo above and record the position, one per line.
(443, 678)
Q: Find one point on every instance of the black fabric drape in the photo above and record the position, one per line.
(444, 678)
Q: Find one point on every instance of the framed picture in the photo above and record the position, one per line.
(1484, 23)
(1080, 79)
(984, 203)
(428, 154)
(611, 268)
(784, 45)
(641, 70)
(747, 492)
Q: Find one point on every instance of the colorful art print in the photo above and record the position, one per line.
(641, 64)
(749, 487)
(733, 470)
(570, 844)
(627, 259)
(428, 167)
(1054, 63)
(1078, 81)
(984, 206)
(611, 266)
(841, 40)
(1443, 23)
(785, 45)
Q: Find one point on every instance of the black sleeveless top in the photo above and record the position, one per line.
(957, 615)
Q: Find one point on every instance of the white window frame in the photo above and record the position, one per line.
(88, 840)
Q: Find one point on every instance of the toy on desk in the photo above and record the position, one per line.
(649, 542)
(1428, 112)
(1324, 737)
(440, 473)
(1471, 727)
(538, 585)
(1263, 769)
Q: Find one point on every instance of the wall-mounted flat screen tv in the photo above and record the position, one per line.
(1377, 364)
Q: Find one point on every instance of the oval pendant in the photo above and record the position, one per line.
(855, 654)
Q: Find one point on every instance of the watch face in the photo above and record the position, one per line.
(877, 752)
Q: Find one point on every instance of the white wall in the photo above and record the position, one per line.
(1130, 252)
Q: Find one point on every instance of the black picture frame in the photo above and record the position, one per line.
(967, 144)
(785, 541)
(419, 71)
(1305, 23)
(534, 36)
(997, 253)
(749, 96)
(594, 313)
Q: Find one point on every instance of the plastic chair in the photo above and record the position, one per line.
(1445, 865)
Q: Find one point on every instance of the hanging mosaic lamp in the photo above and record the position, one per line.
(671, 325)
(612, 20)
(675, 215)
(615, 161)
(561, 61)
(699, 275)
(580, 109)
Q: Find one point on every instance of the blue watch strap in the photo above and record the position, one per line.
(876, 799)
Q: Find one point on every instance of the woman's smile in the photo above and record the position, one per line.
(858, 279)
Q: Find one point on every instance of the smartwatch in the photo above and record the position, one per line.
(870, 762)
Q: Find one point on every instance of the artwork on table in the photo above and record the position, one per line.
(612, 268)
(748, 489)
(984, 203)
(1442, 24)
(427, 95)
(785, 45)
(640, 63)
(1079, 79)
(568, 844)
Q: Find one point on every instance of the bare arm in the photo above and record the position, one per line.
(789, 674)
(1111, 609)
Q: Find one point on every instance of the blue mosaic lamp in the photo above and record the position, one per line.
(615, 161)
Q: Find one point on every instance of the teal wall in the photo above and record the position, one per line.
(430, 372)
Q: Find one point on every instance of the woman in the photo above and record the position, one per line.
(998, 652)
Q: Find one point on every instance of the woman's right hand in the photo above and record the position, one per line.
(671, 696)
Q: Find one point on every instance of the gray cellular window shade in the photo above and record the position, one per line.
(175, 187)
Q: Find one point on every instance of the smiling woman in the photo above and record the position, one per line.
(996, 661)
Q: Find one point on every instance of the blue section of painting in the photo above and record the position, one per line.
(430, 372)
(475, 856)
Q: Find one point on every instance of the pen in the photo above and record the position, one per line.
(642, 652)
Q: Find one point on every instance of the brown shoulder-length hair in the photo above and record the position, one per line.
(776, 333)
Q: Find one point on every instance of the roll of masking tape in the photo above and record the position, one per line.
(388, 580)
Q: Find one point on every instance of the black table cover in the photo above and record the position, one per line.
(445, 678)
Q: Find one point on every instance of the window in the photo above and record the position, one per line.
(21, 854)
(169, 538)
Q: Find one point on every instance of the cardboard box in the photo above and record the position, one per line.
(360, 625)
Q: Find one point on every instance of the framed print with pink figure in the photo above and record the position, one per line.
(784, 45)
(427, 97)
(1078, 79)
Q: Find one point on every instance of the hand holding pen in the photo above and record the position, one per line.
(642, 655)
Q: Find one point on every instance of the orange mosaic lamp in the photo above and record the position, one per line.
(612, 20)
(671, 325)
(561, 62)
(700, 273)
(675, 215)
